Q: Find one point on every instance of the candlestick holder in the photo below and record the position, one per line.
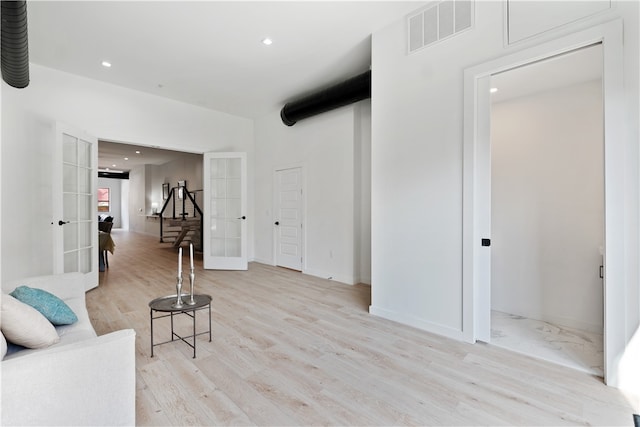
(179, 303)
(192, 279)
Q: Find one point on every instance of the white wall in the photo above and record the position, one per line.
(547, 204)
(417, 136)
(325, 146)
(115, 199)
(137, 199)
(110, 113)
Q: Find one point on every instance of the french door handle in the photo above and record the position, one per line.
(61, 222)
(242, 217)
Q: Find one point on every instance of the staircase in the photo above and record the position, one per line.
(176, 231)
(181, 219)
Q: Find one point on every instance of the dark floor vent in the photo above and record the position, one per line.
(349, 91)
(14, 42)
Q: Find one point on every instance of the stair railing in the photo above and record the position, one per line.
(172, 198)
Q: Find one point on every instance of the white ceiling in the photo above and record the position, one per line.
(578, 66)
(119, 157)
(209, 53)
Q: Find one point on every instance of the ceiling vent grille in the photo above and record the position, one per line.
(438, 22)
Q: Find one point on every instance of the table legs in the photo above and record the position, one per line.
(174, 336)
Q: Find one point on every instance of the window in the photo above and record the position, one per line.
(103, 200)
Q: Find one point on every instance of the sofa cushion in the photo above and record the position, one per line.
(51, 307)
(24, 325)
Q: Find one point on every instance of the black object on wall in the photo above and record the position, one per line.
(349, 91)
(14, 42)
(114, 175)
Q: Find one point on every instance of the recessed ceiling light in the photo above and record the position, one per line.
(106, 64)
(126, 158)
(113, 166)
(137, 152)
(106, 169)
(493, 90)
(267, 41)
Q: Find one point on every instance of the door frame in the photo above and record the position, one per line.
(303, 208)
(476, 185)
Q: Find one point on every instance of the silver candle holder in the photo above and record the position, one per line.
(179, 303)
(192, 279)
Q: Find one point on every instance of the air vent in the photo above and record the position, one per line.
(438, 22)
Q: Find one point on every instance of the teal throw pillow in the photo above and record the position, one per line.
(51, 307)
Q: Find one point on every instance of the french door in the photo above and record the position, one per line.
(74, 204)
(225, 220)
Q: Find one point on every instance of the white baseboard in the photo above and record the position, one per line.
(336, 278)
(261, 261)
(422, 324)
(365, 280)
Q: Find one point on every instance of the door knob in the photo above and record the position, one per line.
(63, 222)
(277, 222)
(242, 217)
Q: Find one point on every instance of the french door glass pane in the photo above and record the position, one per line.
(225, 210)
(85, 229)
(84, 180)
(233, 229)
(233, 247)
(84, 154)
(233, 188)
(234, 168)
(217, 247)
(71, 262)
(69, 149)
(217, 228)
(70, 236)
(233, 208)
(85, 260)
(218, 207)
(70, 207)
(70, 178)
(218, 168)
(218, 188)
(85, 207)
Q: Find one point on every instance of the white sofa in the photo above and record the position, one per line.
(83, 379)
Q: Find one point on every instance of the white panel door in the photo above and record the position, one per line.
(289, 218)
(225, 221)
(75, 210)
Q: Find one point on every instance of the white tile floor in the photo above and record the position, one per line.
(565, 346)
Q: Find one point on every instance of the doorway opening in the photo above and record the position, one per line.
(477, 186)
(138, 198)
(547, 209)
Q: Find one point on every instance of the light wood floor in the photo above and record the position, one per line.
(290, 349)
